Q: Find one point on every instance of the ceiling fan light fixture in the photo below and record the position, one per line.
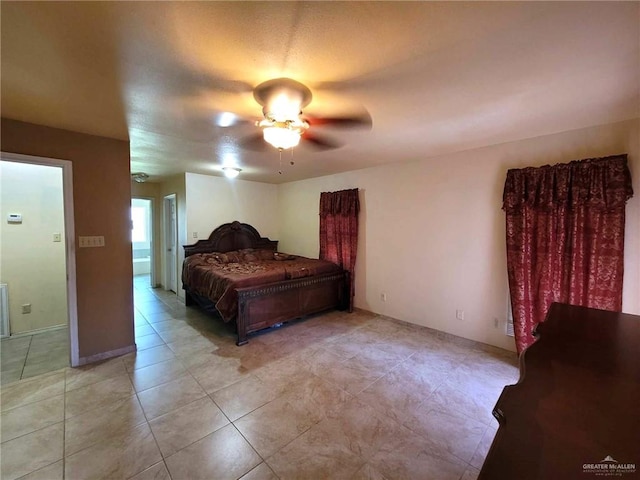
(281, 137)
(283, 107)
(284, 126)
(231, 172)
(139, 177)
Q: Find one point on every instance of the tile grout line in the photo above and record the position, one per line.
(144, 413)
(135, 393)
(25, 357)
(64, 429)
(164, 383)
(252, 448)
(164, 461)
(94, 409)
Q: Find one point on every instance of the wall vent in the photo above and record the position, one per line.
(4, 310)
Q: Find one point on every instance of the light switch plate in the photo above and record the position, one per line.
(93, 241)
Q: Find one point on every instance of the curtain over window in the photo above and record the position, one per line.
(339, 231)
(565, 238)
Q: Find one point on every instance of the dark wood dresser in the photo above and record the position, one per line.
(575, 412)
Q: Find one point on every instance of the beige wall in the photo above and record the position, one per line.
(31, 263)
(432, 235)
(212, 201)
(102, 197)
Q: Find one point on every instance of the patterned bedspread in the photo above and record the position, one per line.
(218, 275)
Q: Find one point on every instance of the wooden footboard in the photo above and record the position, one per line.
(264, 306)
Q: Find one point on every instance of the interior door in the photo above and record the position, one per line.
(171, 243)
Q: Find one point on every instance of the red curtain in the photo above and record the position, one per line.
(565, 238)
(339, 231)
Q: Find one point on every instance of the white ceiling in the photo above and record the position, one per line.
(436, 77)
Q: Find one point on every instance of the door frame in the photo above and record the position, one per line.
(170, 267)
(70, 240)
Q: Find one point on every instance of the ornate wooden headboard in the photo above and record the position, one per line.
(229, 237)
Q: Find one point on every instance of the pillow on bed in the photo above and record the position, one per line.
(221, 257)
(283, 256)
(265, 254)
(198, 259)
(229, 257)
(233, 257)
(249, 257)
(248, 254)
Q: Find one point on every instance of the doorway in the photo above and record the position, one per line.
(38, 266)
(171, 243)
(142, 240)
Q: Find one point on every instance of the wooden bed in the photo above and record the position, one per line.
(272, 303)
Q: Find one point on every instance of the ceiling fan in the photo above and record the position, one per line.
(284, 125)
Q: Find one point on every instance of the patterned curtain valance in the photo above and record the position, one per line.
(602, 183)
(344, 202)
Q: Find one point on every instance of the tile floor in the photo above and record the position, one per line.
(354, 396)
(31, 355)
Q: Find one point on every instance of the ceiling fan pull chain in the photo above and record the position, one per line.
(280, 152)
(292, 163)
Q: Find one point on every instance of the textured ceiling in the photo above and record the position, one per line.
(436, 77)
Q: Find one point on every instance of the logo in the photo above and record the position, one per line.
(608, 467)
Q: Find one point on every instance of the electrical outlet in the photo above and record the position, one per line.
(57, 237)
(195, 234)
(460, 314)
(26, 308)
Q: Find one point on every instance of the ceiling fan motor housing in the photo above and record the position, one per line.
(282, 99)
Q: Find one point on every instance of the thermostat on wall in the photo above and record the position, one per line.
(14, 218)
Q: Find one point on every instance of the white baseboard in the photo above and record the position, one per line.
(37, 331)
(105, 355)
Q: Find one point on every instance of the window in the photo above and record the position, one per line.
(139, 231)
